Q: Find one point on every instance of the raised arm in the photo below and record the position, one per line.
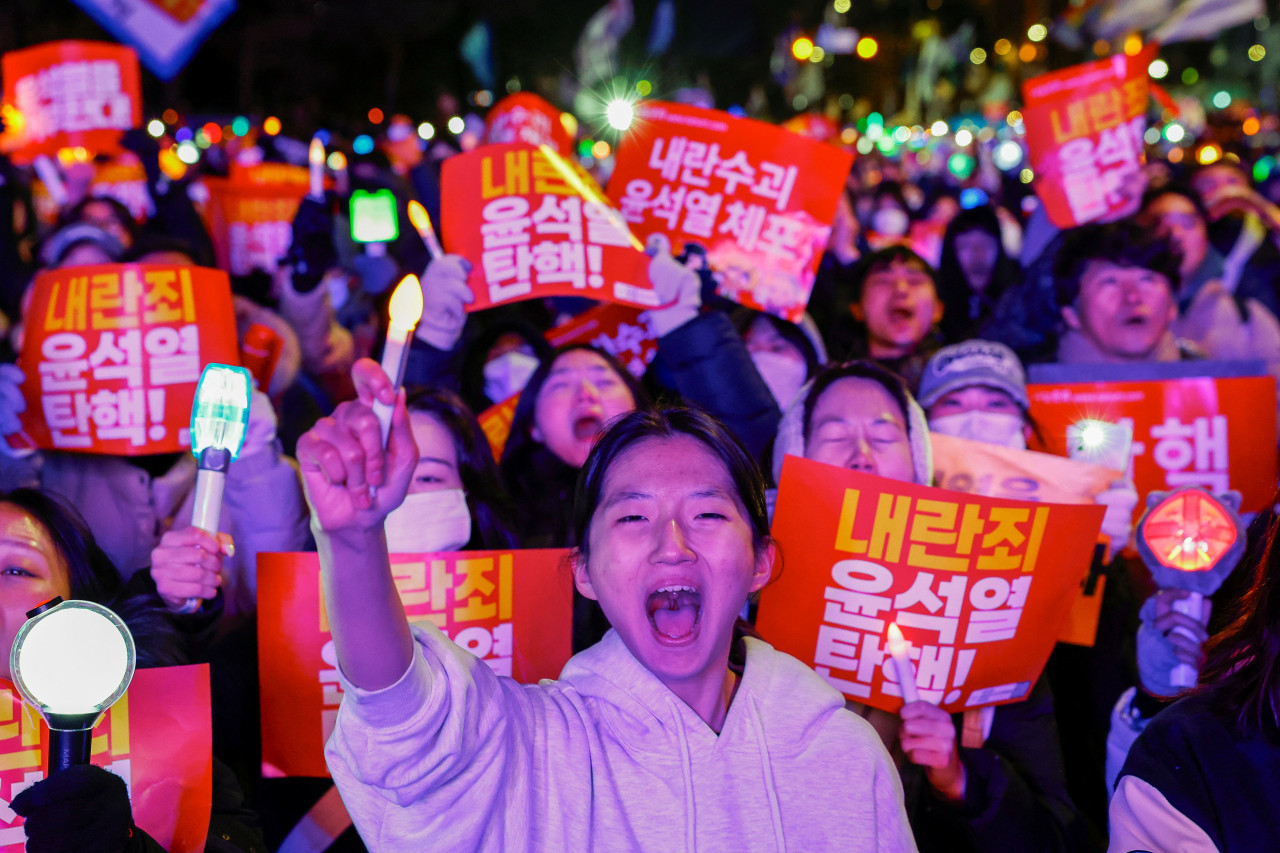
(351, 484)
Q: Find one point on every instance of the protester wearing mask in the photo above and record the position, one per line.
(1001, 786)
(500, 357)
(786, 355)
(1243, 228)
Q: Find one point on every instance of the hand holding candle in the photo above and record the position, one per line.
(406, 311)
(316, 157)
(900, 651)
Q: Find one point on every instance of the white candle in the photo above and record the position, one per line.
(316, 156)
(899, 650)
(406, 311)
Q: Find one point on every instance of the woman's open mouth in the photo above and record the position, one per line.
(675, 611)
(587, 427)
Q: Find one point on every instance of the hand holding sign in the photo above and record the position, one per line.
(445, 297)
(679, 289)
(350, 482)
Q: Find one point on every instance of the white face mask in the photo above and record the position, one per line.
(429, 521)
(890, 221)
(987, 427)
(783, 374)
(507, 374)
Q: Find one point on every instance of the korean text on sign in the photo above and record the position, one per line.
(250, 215)
(760, 199)
(1219, 433)
(114, 352)
(510, 609)
(978, 585)
(156, 738)
(533, 224)
(1084, 129)
(71, 93)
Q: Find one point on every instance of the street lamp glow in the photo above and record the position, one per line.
(977, 56)
(1037, 32)
(619, 114)
(1174, 132)
(939, 128)
(155, 127)
(1222, 100)
(426, 130)
(1158, 69)
(456, 125)
(867, 47)
(963, 137)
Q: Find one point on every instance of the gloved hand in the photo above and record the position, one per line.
(311, 252)
(1160, 648)
(678, 288)
(12, 403)
(1117, 524)
(445, 295)
(187, 566)
(261, 430)
(83, 809)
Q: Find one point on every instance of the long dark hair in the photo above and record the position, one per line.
(668, 422)
(1242, 672)
(958, 297)
(520, 443)
(490, 510)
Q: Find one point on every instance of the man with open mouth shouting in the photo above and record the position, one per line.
(674, 732)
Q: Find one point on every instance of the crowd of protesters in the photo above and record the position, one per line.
(901, 339)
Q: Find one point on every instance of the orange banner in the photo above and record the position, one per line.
(533, 224)
(622, 332)
(1219, 433)
(156, 738)
(1084, 133)
(113, 354)
(512, 609)
(986, 469)
(68, 94)
(760, 199)
(496, 421)
(979, 586)
(250, 213)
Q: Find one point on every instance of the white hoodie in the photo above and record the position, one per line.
(453, 757)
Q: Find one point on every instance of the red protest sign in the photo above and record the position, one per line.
(156, 738)
(250, 213)
(1219, 433)
(622, 332)
(1084, 133)
(125, 180)
(533, 224)
(113, 354)
(68, 94)
(526, 117)
(980, 586)
(510, 608)
(760, 199)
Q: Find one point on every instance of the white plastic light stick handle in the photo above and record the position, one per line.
(206, 512)
(1184, 674)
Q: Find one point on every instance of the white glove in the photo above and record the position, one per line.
(679, 289)
(12, 403)
(261, 430)
(1117, 525)
(445, 295)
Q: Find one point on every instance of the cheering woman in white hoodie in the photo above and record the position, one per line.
(675, 732)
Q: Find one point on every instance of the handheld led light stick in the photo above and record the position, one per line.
(1190, 539)
(422, 224)
(406, 311)
(1100, 443)
(219, 423)
(899, 651)
(71, 661)
(315, 155)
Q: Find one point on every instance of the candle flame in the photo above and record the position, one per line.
(897, 643)
(418, 216)
(406, 303)
(316, 152)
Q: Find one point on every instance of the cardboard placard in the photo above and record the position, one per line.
(759, 198)
(533, 224)
(157, 738)
(528, 118)
(979, 586)
(112, 355)
(1215, 432)
(980, 468)
(510, 608)
(622, 332)
(125, 180)
(69, 94)
(1084, 135)
(250, 213)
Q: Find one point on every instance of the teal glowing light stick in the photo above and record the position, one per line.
(219, 422)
